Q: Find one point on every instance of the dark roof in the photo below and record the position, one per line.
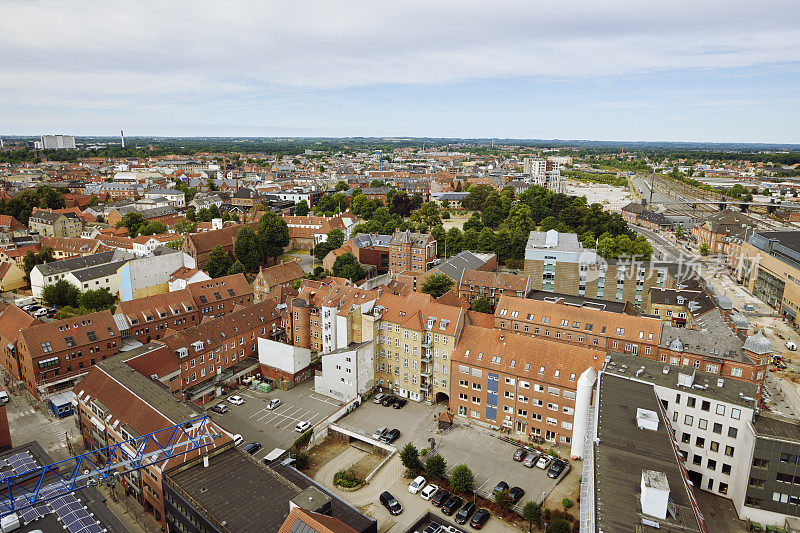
(656, 218)
(75, 263)
(633, 207)
(769, 425)
(790, 239)
(601, 305)
(623, 451)
(99, 271)
(456, 265)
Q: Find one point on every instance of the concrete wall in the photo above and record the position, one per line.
(284, 357)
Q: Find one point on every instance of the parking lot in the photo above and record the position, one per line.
(274, 428)
(490, 459)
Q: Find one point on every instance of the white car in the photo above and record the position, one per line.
(428, 492)
(236, 400)
(791, 346)
(237, 439)
(302, 426)
(416, 485)
(543, 461)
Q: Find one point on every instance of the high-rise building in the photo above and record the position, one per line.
(58, 142)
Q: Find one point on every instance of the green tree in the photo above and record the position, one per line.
(152, 228)
(567, 503)
(97, 299)
(502, 499)
(461, 479)
(301, 208)
(133, 221)
(679, 232)
(532, 513)
(62, 293)
(453, 242)
(476, 199)
(273, 234)
(481, 305)
(93, 201)
(342, 186)
(474, 222)
(247, 249)
(335, 238)
(486, 240)
(409, 456)
(218, 262)
(236, 268)
(184, 226)
(347, 266)
(435, 466)
(428, 214)
(437, 284)
(376, 183)
(175, 244)
(190, 215)
(704, 249)
(559, 525)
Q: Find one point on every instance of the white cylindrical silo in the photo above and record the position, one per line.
(583, 399)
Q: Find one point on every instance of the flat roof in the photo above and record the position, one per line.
(732, 390)
(593, 303)
(777, 427)
(624, 451)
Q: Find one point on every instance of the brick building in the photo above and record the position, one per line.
(476, 284)
(411, 253)
(219, 296)
(271, 278)
(151, 317)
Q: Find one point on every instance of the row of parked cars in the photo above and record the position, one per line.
(450, 505)
(38, 311)
(389, 399)
(531, 458)
(384, 434)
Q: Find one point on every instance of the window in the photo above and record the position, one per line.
(736, 413)
(700, 442)
(688, 420)
(732, 432)
(714, 446)
(760, 463)
(726, 469)
(729, 451)
(720, 409)
(712, 464)
(705, 405)
(691, 401)
(717, 428)
(686, 438)
(702, 423)
(723, 488)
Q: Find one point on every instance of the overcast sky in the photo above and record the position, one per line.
(606, 70)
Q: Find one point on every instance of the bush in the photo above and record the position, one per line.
(567, 503)
(424, 452)
(462, 479)
(303, 439)
(346, 479)
(409, 456)
(301, 461)
(435, 466)
(502, 500)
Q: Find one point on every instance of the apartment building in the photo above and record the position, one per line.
(347, 372)
(150, 317)
(681, 307)
(56, 355)
(558, 262)
(476, 284)
(52, 224)
(217, 297)
(527, 385)
(271, 278)
(717, 228)
(411, 253)
(117, 403)
(414, 338)
(199, 245)
(173, 197)
(13, 321)
(581, 322)
(49, 273)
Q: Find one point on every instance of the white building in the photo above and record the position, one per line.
(284, 358)
(97, 277)
(346, 372)
(174, 198)
(58, 142)
(50, 273)
(534, 166)
(553, 247)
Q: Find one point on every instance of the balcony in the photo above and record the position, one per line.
(424, 386)
(425, 371)
(427, 344)
(425, 357)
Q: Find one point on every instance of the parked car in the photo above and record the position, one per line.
(791, 346)
(479, 518)
(556, 468)
(274, 404)
(543, 461)
(379, 397)
(433, 527)
(236, 400)
(302, 426)
(379, 433)
(429, 490)
(399, 403)
(389, 400)
(251, 447)
(516, 494)
(389, 501)
(416, 485)
(237, 439)
(391, 436)
(451, 505)
(531, 459)
(220, 408)
(464, 513)
(519, 454)
(440, 497)
(30, 307)
(500, 486)
(41, 312)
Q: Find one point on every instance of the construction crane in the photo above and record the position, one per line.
(45, 483)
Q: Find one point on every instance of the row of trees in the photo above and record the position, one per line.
(251, 248)
(67, 296)
(21, 206)
(138, 225)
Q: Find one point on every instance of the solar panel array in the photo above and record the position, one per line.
(74, 515)
(22, 463)
(29, 514)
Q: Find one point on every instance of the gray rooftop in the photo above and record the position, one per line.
(732, 390)
(455, 266)
(580, 301)
(367, 240)
(714, 338)
(416, 239)
(75, 263)
(777, 427)
(553, 240)
(99, 271)
(624, 451)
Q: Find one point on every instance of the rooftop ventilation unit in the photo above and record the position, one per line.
(646, 419)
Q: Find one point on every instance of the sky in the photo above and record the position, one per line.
(602, 70)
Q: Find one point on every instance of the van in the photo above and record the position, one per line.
(3, 397)
(22, 302)
(237, 439)
(273, 403)
(41, 312)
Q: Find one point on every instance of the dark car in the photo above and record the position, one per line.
(556, 468)
(479, 518)
(399, 403)
(252, 447)
(433, 527)
(464, 513)
(440, 497)
(389, 501)
(500, 486)
(389, 400)
(391, 436)
(516, 494)
(452, 505)
(520, 454)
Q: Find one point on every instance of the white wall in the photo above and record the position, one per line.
(283, 357)
(110, 282)
(346, 373)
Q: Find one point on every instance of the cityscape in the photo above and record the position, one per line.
(420, 268)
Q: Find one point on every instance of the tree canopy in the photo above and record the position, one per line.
(437, 284)
(347, 266)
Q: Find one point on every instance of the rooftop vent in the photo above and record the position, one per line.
(685, 380)
(720, 382)
(665, 370)
(655, 494)
(646, 419)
